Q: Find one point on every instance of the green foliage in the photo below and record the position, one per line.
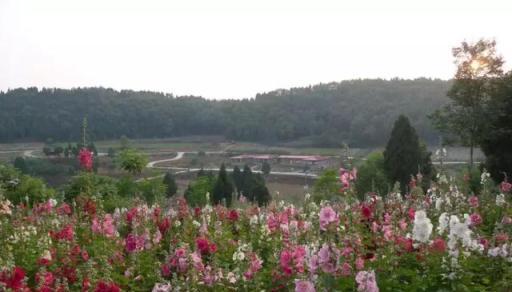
(91, 185)
(152, 191)
(327, 186)
(197, 190)
(265, 168)
(497, 140)
(402, 156)
(371, 176)
(466, 116)
(111, 152)
(237, 179)
(19, 188)
(358, 112)
(223, 188)
(132, 161)
(19, 164)
(170, 183)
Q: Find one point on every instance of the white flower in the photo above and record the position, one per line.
(439, 203)
(422, 227)
(443, 223)
(500, 200)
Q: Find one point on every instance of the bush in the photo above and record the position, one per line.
(371, 176)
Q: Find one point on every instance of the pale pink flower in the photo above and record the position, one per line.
(327, 215)
(304, 286)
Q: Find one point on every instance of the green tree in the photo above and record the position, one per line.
(19, 164)
(371, 176)
(170, 182)
(265, 168)
(466, 116)
(259, 191)
(132, 161)
(402, 156)
(247, 183)
(327, 186)
(237, 179)
(223, 189)
(195, 194)
(497, 141)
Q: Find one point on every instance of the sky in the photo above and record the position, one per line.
(237, 48)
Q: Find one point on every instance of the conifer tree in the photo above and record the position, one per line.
(223, 188)
(237, 179)
(170, 182)
(402, 156)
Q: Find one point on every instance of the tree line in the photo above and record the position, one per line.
(356, 112)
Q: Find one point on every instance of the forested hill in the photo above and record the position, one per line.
(357, 112)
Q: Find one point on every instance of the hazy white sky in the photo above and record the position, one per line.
(236, 48)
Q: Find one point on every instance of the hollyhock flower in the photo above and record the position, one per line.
(134, 243)
(506, 220)
(233, 215)
(65, 233)
(106, 287)
(5, 207)
(304, 286)
(475, 219)
(359, 263)
(327, 215)
(16, 281)
(346, 269)
(411, 213)
(366, 282)
(85, 159)
(505, 187)
(285, 260)
(501, 237)
(160, 287)
(473, 201)
(422, 227)
(402, 224)
(439, 245)
(366, 211)
(164, 225)
(64, 209)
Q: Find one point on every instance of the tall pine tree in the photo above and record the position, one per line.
(237, 179)
(170, 183)
(223, 189)
(402, 156)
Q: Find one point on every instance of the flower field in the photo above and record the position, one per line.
(442, 241)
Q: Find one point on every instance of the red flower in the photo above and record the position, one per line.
(65, 233)
(85, 159)
(366, 211)
(106, 287)
(164, 225)
(411, 213)
(205, 247)
(15, 281)
(233, 215)
(439, 245)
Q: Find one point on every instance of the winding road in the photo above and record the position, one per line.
(179, 155)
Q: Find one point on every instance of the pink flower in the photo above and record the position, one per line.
(411, 213)
(475, 219)
(366, 282)
(134, 243)
(346, 269)
(359, 263)
(506, 186)
(327, 216)
(473, 201)
(304, 286)
(106, 287)
(85, 159)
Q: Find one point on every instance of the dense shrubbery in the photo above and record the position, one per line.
(441, 240)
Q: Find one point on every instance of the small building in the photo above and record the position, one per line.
(304, 159)
(252, 158)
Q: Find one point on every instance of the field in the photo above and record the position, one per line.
(205, 152)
